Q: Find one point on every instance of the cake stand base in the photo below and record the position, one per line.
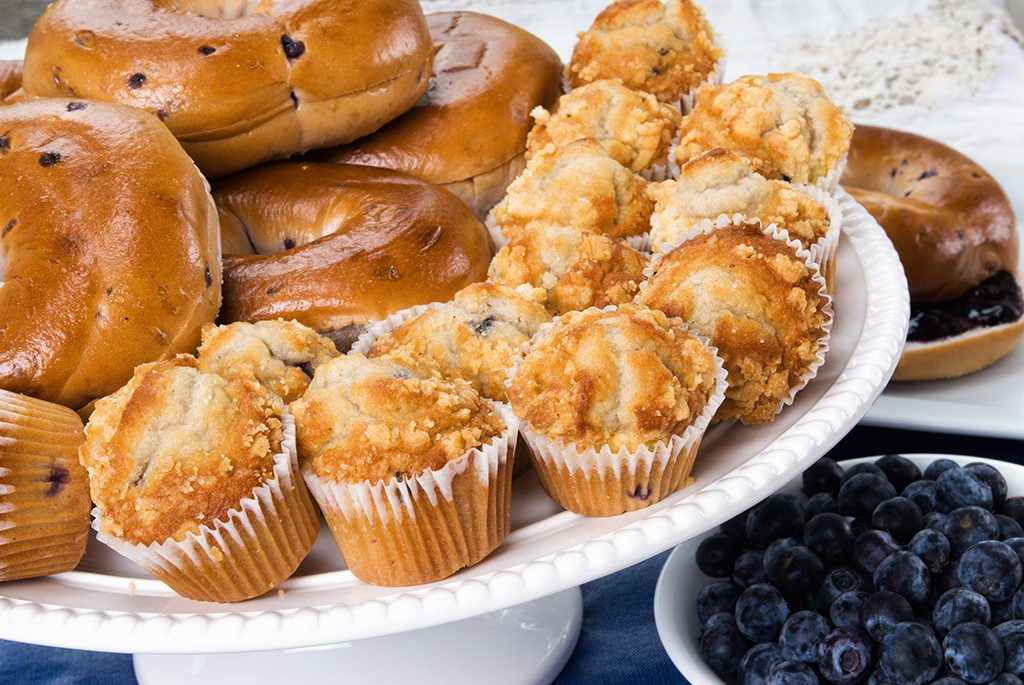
(526, 644)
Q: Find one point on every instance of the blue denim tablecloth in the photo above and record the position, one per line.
(619, 642)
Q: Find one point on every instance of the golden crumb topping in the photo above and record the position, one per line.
(474, 337)
(373, 419)
(279, 355)
(632, 126)
(175, 449)
(721, 182)
(783, 124)
(757, 302)
(577, 185)
(622, 378)
(576, 270)
(665, 49)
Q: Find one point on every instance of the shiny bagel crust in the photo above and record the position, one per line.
(472, 123)
(108, 246)
(333, 245)
(238, 83)
(10, 82)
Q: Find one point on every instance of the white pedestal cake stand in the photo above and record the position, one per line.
(110, 605)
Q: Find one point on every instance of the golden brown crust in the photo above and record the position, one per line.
(721, 182)
(10, 81)
(632, 126)
(488, 75)
(176, 449)
(109, 248)
(666, 49)
(475, 337)
(577, 185)
(279, 355)
(622, 378)
(339, 244)
(959, 355)
(576, 269)
(950, 221)
(373, 419)
(242, 89)
(782, 124)
(756, 301)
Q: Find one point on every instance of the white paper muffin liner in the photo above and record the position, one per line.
(830, 182)
(722, 221)
(686, 101)
(600, 482)
(259, 544)
(422, 528)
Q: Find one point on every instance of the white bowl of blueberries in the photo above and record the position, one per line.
(900, 570)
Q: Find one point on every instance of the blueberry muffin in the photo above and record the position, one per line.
(576, 270)
(758, 302)
(666, 48)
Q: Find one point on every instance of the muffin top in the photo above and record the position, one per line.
(279, 355)
(176, 448)
(577, 185)
(623, 378)
(632, 126)
(721, 182)
(783, 124)
(756, 300)
(666, 50)
(474, 337)
(374, 419)
(577, 270)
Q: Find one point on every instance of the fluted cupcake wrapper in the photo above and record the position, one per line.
(258, 545)
(830, 182)
(707, 226)
(601, 482)
(44, 490)
(424, 527)
(716, 77)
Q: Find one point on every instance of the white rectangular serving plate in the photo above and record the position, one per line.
(989, 403)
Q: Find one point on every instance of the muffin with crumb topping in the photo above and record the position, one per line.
(279, 355)
(412, 470)
(614, 403)
(194, 476)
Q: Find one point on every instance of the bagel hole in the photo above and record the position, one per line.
(221, 9)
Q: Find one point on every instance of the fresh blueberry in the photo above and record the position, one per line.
(749, 569)
(863, 492)
(796, 571)
(994, 480)
(792, 673)
(968, 526)
(717, 554)
(1001, 612)
(823, 476)
(778, 547)
(872, 548)
(900, 471)
(1017, 605)
(1014, 508)
(845, 611)
(921, 493)
(899, 517)
(939, 466)
(1011, 635)
(760, 613)
(948, 680)
(736, 527)
(837, 581)
(822, 503)
(973, 652)
(845, 656)
(1008, 528)
(882, 611)
(1005, 679)
(935, 520)
(722, 648)
(722, 617)
(865, 467)
(910, 654)
(801, 634)
(716, 597)
(877, 677)
(905, 574)
(957, 606)
(932, 547)
(779, 516)
(958, 488)
(1017, 545)
(830, 537)
(992, 569)
(757, 664)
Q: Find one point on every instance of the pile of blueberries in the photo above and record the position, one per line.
(884, 576)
